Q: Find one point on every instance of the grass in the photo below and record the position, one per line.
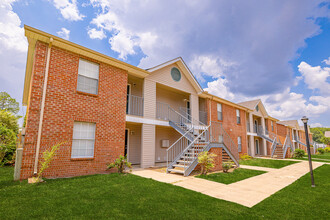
(117, 196)
(318, 158)
(235, 176)
(267, 163)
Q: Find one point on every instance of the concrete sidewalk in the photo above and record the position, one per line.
(248, 192)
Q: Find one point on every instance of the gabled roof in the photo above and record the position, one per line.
(221, 100)
(250, 104)
(290, 123)
(186, 71)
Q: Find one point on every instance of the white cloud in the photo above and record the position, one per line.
(13, 48)
(96, 34)
(68, 9)
(315, 77)
(313, 125)
(327, 61)
(64, 33)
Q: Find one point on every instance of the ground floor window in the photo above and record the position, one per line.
(239, 144)
(83, 140)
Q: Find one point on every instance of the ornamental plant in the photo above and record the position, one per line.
(299, 153)
(206, 161)
(320, 150)
(327, 149)
(246, 157)
(120, 163)
(47, 157)
(226, 166)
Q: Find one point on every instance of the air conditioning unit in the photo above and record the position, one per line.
(165, 143)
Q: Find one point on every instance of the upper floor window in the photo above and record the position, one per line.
(238, 116)
(83, 140)
(88, 77)
(257, 108)
(219, 110)
(272, 125)
(239, 144)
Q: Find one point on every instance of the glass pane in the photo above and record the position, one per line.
(88, 69)
(87, 85)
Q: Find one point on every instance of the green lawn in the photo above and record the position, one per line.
(267, 163)
(131, 197)
(318, 157)
(235, 176)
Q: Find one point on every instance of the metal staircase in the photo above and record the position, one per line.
(272, 138)
(182, 156)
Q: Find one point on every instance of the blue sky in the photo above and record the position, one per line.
(275, 50)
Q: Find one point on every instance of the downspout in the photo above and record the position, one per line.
(35, 171)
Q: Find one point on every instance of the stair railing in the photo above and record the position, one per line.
(273, 147)
(186, 112)
(219, 135)
(174, 151)
(200, 141)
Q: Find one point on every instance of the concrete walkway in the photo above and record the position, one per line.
(248, 192)
(267, 169)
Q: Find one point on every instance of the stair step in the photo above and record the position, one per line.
(179, 165)
(176, 171)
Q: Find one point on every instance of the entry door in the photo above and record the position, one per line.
(188, 110)
(256, 126)
(257, 146)
(128, 98)
(126, 143)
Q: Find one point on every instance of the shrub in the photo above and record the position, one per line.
(121, 163)
(47, 158)
(246, 157)
(7, 145)
(320, 150)
(206, 161)
(327, 149)
(226, 166)
(298, 153)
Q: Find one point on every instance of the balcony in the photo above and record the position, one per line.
(134, 105)
(248, 126)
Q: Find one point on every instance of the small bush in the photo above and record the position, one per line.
(206, 161)
(327, 149)
(298, 153)
(246, 157)
(320, 150)
(120, 163)
(226, 166)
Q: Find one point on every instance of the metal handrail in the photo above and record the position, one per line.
(185, 111)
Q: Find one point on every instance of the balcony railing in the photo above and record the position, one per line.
(162, 111)
(134, 105)
(248, 126)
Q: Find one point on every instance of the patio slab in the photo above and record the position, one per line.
(248, 192)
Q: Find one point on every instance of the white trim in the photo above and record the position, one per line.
(136, 119)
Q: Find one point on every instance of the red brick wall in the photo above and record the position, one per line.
(64, 105)
(269, 127)
(281, 132)
(229, 122)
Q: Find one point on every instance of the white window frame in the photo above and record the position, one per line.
(239, 143)
(219, 111)
(83, 67)
(238, 116)
(90, 139)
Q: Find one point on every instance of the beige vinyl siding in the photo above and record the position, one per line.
(148, 145)
(136, 85)
(194, 107)
(163, 76)
(134, 143)
(202, 104)
(164, 133)
(149, 91)
(172, 98)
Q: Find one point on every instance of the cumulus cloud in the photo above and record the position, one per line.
(315, 77)
(68, 9)
(96, 34)
(13, 50)
(326, 61)
(64, 33)
(260, 38)
(314, 125)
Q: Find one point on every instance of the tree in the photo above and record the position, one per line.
(8, 103)
(9, 121)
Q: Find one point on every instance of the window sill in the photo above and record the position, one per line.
(88, 94)
(82, 159)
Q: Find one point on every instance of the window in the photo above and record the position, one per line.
(219, 109)
(175, 73)
(88, 77)
(238, 116)
(271, 123)
(83, 140)
(257, 108)
(239, 144)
